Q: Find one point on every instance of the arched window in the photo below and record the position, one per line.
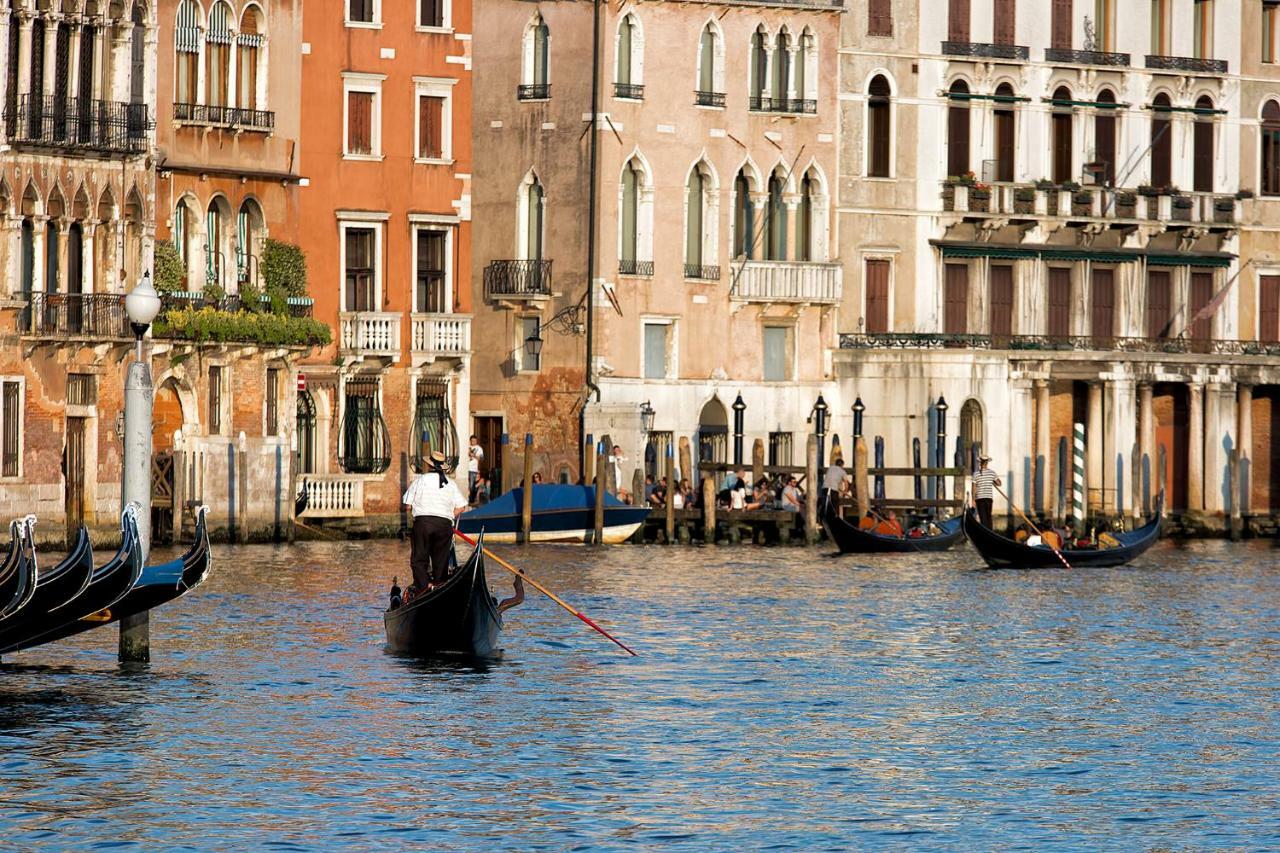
(532, 213)
(759, 69)
(806, 71)
(629, 76)
(710, 91)
(61, 92)
(249, 71)
(250, 226)
(85, 89)
(804, 220)
(181, 233)
(1161, 142)
(28, 250)
(1202, 156)
(217, 55)
(696, 197)
(35, 112)
(701, 215)
(11, 72)
(305, 457)
(744, 217)
(1271, 148)
(776, 220)
(51, 257)
(536, 65)
(137, 61)
(1006, 135)
(1063, 153)
(1104, 136)
(213, 236)
(187, 40)
(781, 84)
(958, 130)
(635, 250)
(879, 128)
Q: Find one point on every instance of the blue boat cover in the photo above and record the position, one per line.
(546, 497)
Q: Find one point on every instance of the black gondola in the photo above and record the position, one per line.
(1001, 552)
(157, 585)
(59, 586)
(460, 617)
(19, 573)
(851, 540)
(302, 500)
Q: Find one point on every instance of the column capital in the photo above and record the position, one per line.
(1040, 384)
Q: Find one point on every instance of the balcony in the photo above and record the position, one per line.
(708, 99)
(791, 106)
(518, 279)
(1015, 52)
(333, 496)
(433, 336)
(1047, 343)
(788, 281)
(533, 92)
(194, 300)
(630, 91)
(637, 268)
(1187, 63)
(373, 334)
(206, 115)
(1086, 57)
(75, 316)
(1089, 202)
(46, 121)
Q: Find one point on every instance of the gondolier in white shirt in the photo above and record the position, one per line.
(984, 490)
(435, 502)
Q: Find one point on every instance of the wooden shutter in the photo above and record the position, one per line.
(1062, 146)
(1059, 302)
(430, 128)
(1005, 21)
(1001, 301)
(877, 296)
(958, 21)
(360, 122)
(1102, 304)
(1203, 156)
(879, 128)
(880, 18)
(958, 138)
(1104, 142)
(956, 309)
(1004, 143)
(1159, 303)
(1201, 293)
(1060, 37)
(1269, 319)
(1161, 150)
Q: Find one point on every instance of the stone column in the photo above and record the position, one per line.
(1121, 435)
(11, 236)
(792, 53)
(792, 203)
(38, 252)
(62, 285)
(1217, 431)
(1043, 460)
(25, 22)
(1195, 448)
(1244, 441)
(89, 256)
(757, 241)
(121, 62)
(101, 87)
(52, 22)
(5, 59)
(73, 62)
(1093, 467)
(1146, 444)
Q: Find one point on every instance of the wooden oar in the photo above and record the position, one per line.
(1033, 526)
(542, 589)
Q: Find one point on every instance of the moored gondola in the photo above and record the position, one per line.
(19, 573)
(852, 540)
(459, 617)
(158, 584)
(1001, 552)
(59, 586)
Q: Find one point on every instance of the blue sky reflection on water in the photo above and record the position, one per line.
(782, 699)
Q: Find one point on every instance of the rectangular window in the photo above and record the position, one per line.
(779, 448)
(1159, 303)
(956, 300)
(1060, 26)
(431, 13)
(430, 127)
(1102, 304)
(1201, 293)
(365, 441)
(215, 401)
(1160, 27)
(82, 389)
(777, 353)
(1202, 39)
(360, 123)
(880, 18)
(10, 427)
(360, 11)
(1005, 21)
(1059, 302)
(656, 347)
(877, 296)
(360, 270)
(273, 401)
(1269, 305)
(958, 21)
(1103, 32)
(1270, 12)
(1001, 301)
(432, 296)
(529, 355)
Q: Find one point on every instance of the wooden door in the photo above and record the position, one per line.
(1005, 144)
(1159, 303)
(1059, 302)
(74, 471)
(1102, 302)
(1202, 156)
(1060, 25)
(956, 309)
(1001, 302)
(1172, 414)
(1201, 293)
(877, 296)
(1269, 305)
(489, 433)
(1264, 456)
(1005, 21)
(958, 21)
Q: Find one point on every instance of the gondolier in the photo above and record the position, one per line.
(434, 501)
(984, 490)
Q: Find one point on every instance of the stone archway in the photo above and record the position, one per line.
(167, 417)
(713, 432)
(972, 429)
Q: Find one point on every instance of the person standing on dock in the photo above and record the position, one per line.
(475, 453)
(435, 502)
(984, 490)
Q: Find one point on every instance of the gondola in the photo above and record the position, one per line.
(59, 586)
(19, 573)
(302, 500)
(561, 513)
(109, 583)
(850, 539)
(460, 617)
(1001, 552)
(157, 585)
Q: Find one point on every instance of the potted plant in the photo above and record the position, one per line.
(980, 197)
(1045, 185)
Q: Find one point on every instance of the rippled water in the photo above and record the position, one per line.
(781, 698)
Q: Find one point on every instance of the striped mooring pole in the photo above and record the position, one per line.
(1077, 473)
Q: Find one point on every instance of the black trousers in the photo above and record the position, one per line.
(984, 511)
(432, 537)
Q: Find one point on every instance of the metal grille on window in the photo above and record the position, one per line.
(306, 432)
(215, 400)
(9, 416)
(82, 389)
(366, 445)
(433, 428)
(273, 401)
(655, 454)
(779, 448)
(713, 444)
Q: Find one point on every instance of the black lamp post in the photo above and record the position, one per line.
(739, 407)
(820, 427)
(858, 409)
(941, 454)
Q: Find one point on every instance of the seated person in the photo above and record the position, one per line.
(1052, 539)
(738, 496)
(1034, 541)
(868, 522)
(658, 493)
(890, 526)
(1022, 535)
(791, 500)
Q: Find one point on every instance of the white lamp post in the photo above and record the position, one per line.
(141, 305)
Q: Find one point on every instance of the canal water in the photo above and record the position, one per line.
(781, 699)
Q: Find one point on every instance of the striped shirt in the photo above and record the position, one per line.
(984, 484)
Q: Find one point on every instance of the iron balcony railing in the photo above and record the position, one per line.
(75, 315)
(988, 51)
(1086, 57)
(766, 104)
(1187, 63)
(297, 306)
(533, 91)
(85, 123)
(518, 278)
(633, 91)
(702, 272)
(1051, 343)
(216, 116)
(633, 267)
(708, 99)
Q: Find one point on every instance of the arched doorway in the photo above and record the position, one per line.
(167, 420)
(972, 430)
(306, 433)
(713, 432)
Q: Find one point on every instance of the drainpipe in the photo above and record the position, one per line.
(591, 221)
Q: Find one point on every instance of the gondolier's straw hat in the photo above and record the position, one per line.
(437, 457)
(984, 458)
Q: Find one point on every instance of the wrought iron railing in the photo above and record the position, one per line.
(702, 272)
(708, 99)
(58, 122)
(1086, 57)
(297, 306)
(518, 278)
(75, 315)
(634, 91)
(217, 116)
(1187, 63)
(1048, 343)
(630, 266)
(533, 91)
(766, 104)
(989, 51)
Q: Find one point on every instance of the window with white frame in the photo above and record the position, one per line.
(659, 349)
(361, 250)
(629, 60)
(186, 42)
(710, 91)
(528, 356)
(434, 14)
(11, 430)
(531, 213)
(364, 13)
(635, 243)
(433, 280)
(535, 66)
(702, 193)
(217, 56)
(362, 116)
(779, 353)
(433, 135)
(251, 54)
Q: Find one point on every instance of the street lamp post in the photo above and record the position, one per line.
(820, 427)
(941, 407)
(141, 305)
(858, 409)
(739, 408)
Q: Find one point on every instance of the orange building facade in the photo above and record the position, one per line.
(385, 223)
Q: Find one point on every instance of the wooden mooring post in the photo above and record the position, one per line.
(757, 460)
(709, 509)
(526, 492)
(861, 482)
(670, 526)
(598, 523)
(811, 480)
